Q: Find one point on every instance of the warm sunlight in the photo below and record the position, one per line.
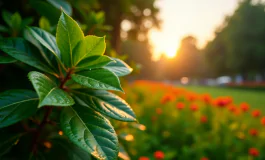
(163, 45)
(175, 26)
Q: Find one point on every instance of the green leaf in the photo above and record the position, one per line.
(46, 9)
(7, 17)
(49, 93)
(123, 154)
(90, 131)
(119, 67)
(94, 62)
(106, 103)
(16, 21)
(62, 4)
(7, 59)
(67, 36)
(20, 50)
(16, 105)
(64, 149)
(3, 29)
(90, 46)
(98, 79)
(27, 21)
(41, 39)
(46, 39)
(44, 24)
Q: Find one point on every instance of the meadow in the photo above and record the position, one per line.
(198, 123)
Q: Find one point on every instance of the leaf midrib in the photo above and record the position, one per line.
(92, 150)
(86, 53)
(97, 81)
(23, 101)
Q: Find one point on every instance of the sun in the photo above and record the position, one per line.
(170, 52)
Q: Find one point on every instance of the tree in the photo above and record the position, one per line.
(239, 44)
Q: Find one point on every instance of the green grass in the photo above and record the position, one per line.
(255, 97)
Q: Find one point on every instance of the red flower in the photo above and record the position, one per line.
(244, 107)
(159, 155)
(143, 158)
(256, 113)
(204, 119)
(262, 121)
(158, 111)
(253, 152)
(253, 132)
(204, 158)
(194, 107)
(180, 105)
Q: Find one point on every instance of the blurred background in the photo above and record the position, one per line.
(189, 42)
(203, 61)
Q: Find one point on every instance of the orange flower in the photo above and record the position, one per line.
(143, 158)
(253, 152)
(262, 121)
(204, 158)
(167, 98)
(206, 98)
(232, 108)
(256, 113)
(253, 132)
(180, 105)
(194, 107)
(244, 107)
(158, 111)
(223, 101)
(204, 119)
(191, 97)
(159, 155)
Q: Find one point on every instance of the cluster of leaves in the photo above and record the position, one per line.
(75, 79)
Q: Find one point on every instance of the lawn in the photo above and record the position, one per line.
(255, 97)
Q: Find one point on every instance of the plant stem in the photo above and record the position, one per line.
(67, 77)
(40, 128)
(45, 119)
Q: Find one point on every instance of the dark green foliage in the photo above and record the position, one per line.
(72, 84)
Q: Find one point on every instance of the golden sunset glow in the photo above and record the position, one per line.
(180, 18)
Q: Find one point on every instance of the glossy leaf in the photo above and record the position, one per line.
(46, 39)
(49, 93)
(7, 59)
(106, 103)
(16, 105)
(90, 46)
(67, 36)
(47, 55)
(98, 79)
(119, 67)
(20, 50)
(94, 62)
(90, 131)
(123, 154)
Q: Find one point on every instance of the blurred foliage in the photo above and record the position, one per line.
(238, 46)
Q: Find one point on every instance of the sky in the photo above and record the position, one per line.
(198, 18)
